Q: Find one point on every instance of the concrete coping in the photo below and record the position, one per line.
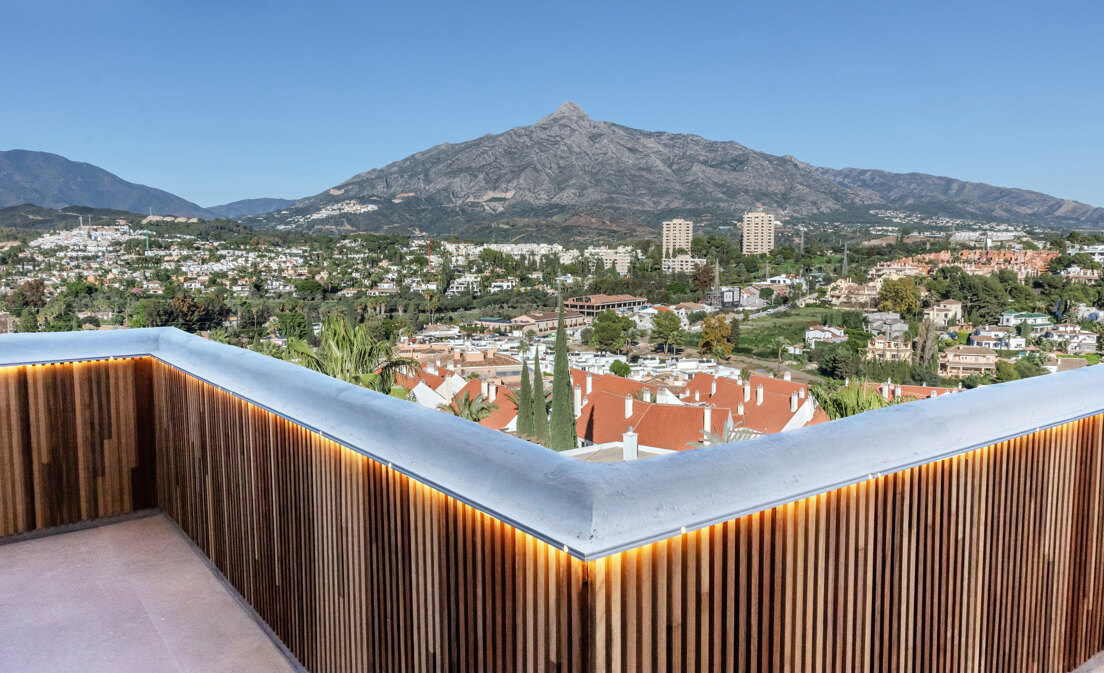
(596, 509)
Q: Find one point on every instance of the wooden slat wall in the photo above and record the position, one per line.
(75, 442)
(989, 561)
(356, 567)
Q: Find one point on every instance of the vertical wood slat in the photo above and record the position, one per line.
(987, 561)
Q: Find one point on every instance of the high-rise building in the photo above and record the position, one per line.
(677, 235)
(758, 233)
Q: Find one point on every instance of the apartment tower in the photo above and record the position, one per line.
(758, 233)
(677, 235)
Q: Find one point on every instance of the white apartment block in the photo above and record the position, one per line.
(677, 235)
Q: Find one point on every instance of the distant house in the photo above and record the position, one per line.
(945, 313)
(888, 349)
(1074, 339)
(544, 322)
(965, 360)
(887, 323)
(1038, 321)
(997, 336)
(822, 334)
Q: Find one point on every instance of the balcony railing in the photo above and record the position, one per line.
(956, 533)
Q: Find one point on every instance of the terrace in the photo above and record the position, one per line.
(369, 534)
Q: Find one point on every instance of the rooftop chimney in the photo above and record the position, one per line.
(697, 396)
(646, 393)
(933, 393)
(801, 392)
(578, 400)
(897, 390)
(740, 409)
(492, 392)
(885, 391)
(793, 402)
(589, 382)
(759, 394)
(707, 418)
(786, 376)
(747, 391)
(713, 387)
(629, 448)
(484, 388)
(628, 406)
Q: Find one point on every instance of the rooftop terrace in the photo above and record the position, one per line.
(961, 532)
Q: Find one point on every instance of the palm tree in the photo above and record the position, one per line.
(349, 353)
(779, 344)
(855, 398)
(728, 434)
(470, 408)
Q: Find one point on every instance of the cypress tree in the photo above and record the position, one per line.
(539, 411)
(562, 435)
(525, 402)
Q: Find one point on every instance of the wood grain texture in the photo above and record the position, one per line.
(76, 442)
(989, 561)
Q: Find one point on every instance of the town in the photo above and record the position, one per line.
(670, 345)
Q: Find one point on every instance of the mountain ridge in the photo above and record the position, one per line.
(567, 164)
(52, 181)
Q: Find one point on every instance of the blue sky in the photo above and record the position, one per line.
(216, 101)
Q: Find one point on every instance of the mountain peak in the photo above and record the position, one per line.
(568, 110)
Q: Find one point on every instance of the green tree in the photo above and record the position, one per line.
(1006, 371)
(348, 352)
(900, 295)
(927, 344)
(562, 435)
(470, 408)
(27, 321)
(734, 333)
(539, 407)
(666, 329)
(842, 401)
(525, 402)
(620, 368)
(294, 325)
(610, 331)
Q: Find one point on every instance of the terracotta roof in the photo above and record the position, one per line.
(608, 383)
(769, 417)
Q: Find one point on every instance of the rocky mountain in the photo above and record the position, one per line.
(247, 207)
(570, 168)
(52, 181)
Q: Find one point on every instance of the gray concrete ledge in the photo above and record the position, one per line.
(596, 509)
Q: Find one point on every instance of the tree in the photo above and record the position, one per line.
(778, 345)
(34, 292)
(539, 408)
(620, 368)
(1006, 371)
(294, 325)
(610, 331)
(714, 339)
(766, 293)
(562, 435)
(703, 278)
(525, 402)
(900, 295)
(348, 352)
(842, 401)
(470, 408)
(666, 329)
(927, 344)
(734, 333)
(27, 321)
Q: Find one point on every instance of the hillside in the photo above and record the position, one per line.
(28, 217)
(52, 181)
(568, 167)
(247, 207)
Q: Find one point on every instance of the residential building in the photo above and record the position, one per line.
(966, 360)
(944, 314)
(997, 337)
(888, 349)
(8, 323)
(682, 264)
(758, 235)
(887, 323)
(592, 304)
(723, 297)
(822, 334)
(677, 235)
(1074, 339)
(544, 322)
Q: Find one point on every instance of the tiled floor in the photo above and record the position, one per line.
(128, 597)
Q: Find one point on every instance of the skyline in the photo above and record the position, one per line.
(216, 104)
